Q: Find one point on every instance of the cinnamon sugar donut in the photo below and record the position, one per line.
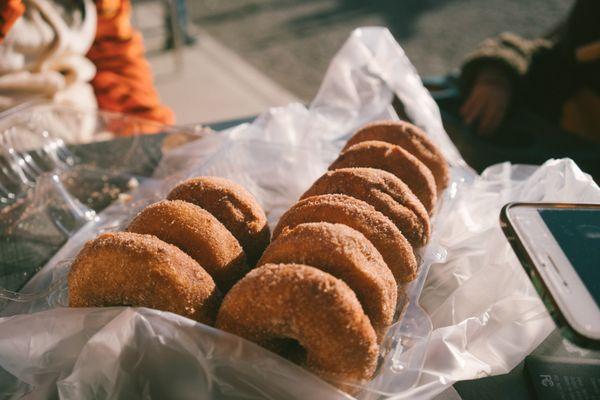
(301, 304)
(233, 206)
(376, 227)
(195, 231)
(128, 269)
(385, 192)
(394, 159)
(412, 139)
(346, 254)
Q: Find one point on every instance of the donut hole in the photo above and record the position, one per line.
(288, 348)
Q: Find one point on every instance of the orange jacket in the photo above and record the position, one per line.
(123, 82)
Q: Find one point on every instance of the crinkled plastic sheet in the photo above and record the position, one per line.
(482, 318)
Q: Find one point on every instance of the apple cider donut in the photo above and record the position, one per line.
(385, 192)
(233, 206)
(302, 304)
(129, 269)
(412, 139)
(346, 254)
(394, 159)
(376, 227)
(198, 233)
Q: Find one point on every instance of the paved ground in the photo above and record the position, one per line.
(210, 83)
(206, 82)
(292, 41)
(253, 54)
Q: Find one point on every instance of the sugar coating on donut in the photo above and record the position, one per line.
(305, 305)
(346, 254)
(233, 206)
(129, 269)
(361, 216)
(410, 138)
(392, 158)
(198, 233)
(385, 192)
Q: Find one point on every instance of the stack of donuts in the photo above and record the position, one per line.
(323, 292)
(326, 289)
(177, 255)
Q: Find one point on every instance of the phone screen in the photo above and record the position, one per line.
(577, 232)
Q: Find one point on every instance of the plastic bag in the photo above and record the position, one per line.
(483, 316)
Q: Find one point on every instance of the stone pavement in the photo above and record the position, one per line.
(293, 40)
(253, 54)
(205, 82)
(209, 83)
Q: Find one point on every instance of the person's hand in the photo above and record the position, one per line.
(488, 101)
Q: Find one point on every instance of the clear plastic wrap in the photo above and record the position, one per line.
(472, 311)
(50, 186)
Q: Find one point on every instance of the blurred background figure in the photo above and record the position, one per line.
(176, 22)
(80, 53)
(556, 77)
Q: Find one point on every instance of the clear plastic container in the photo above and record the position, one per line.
(69, 193)
(50, 185)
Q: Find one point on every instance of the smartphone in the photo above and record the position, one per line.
(559, 247)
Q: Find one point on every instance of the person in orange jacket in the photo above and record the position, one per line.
(76, 52)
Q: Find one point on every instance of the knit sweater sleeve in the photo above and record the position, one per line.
(123, 81)
(509, 52)
(10, 11)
